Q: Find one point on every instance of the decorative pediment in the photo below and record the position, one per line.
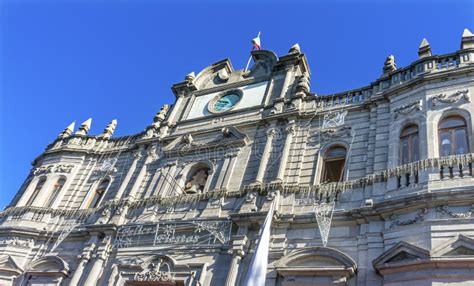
(401, 253)
(226, 137)
(8, 264)
(316, 261)
(213, 75)
(460, 245)
(460, 96)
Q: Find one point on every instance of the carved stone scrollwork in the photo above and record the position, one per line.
(408, 108)
(443, 98)
(291, 129)
(272, 132)
(139, 153)
(15, 241)
(332, 133)
(418, 217)
(250, 197)
(159, 271)
(43, 170)
(303, 83)
(446, 211)
(60, 168)
(152, 152)
(271, 196)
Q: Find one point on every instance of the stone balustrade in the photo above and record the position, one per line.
(405, 177)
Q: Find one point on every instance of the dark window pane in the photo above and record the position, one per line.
(99, 192)
(54, 192)
(445, 143)
(409, 130)
(38, 188)
(415, 148)
(451, 122)
(404, 152)
(461, 141)
(337, 152)
(333, 171)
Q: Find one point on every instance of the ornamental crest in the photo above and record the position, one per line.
(157, 271)
(334, 119)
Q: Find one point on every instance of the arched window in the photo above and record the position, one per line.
(196, 180)
(333, 166)
(98, 194)
(452, 133)
(55, 191)
(36, 191)
(409, 145)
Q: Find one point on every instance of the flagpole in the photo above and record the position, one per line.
(250, 58)
(248, 63)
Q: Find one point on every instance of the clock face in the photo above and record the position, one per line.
(224, 101)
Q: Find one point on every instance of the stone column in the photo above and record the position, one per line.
(151, 156)
(174, 112)
(234, 268)
(95, 271)
(97, 267)
(271, 133)
(230, 170)
(172, 117)
(286, 82)
(239, 241)
(290, 131)
(137, 156)
(80, 268)
(84, 259)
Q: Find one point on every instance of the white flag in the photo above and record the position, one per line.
(258, 266)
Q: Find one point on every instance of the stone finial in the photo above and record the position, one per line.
(467, 40)
(161, 115)
(150, 131)
(389, 65)
(295, 49)
(424, 50)
(85, 127)
(190, 77)
(67, 131)
(109, 130)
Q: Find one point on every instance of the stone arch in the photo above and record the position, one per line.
(93, 188)
(50, 270)
(437, 117)
(50, 188)
(397, 127)
(320, 265)
(322, 153)
(189, 171)
(30, 190)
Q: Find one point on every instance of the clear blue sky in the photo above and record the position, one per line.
(62, 61)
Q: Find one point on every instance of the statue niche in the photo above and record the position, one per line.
(197, 179)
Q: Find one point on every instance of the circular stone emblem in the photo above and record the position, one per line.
(225, 101)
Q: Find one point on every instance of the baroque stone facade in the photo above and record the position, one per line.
(182, 202)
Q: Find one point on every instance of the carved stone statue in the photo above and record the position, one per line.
(197, 182)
